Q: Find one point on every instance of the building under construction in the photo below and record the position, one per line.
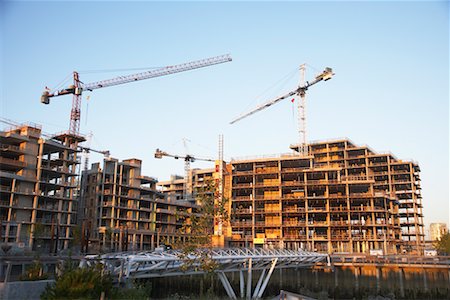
(38, 188)
(339, 198)
(177, 188)
(115, 209)
(123, 210)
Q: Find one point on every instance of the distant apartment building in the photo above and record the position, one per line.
(437, 230)
(38, 188)
(340, 198)
(174, 188)
(123, 210)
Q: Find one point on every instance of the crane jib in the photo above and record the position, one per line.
(77, 88)
(157, 73)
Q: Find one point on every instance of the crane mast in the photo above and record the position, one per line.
(78, 87)
(301, 92)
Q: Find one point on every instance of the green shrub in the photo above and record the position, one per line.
(86, 283)
(34, 272)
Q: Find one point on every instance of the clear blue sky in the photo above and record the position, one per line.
(390, 91)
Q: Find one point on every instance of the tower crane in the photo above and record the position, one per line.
(86, 150)
(78, 87)
(300, 91)
(188, 159)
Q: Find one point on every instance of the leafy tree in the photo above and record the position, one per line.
(443, 245)
(200, 228)
(79, 283)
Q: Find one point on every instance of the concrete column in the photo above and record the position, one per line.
(249, 279)
(120, 239)
(425, 282)
(378, 280)
(152, 242)
(356, 271)
(402, 288)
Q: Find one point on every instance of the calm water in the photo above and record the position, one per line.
(319, 284)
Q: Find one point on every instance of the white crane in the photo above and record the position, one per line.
(187, 160)
(300, 91)
(78, 87)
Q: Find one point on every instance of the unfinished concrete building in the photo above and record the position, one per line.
(288, 202)
(124, 211)
(174, 188)
(38, 188)
(398, 178)
(340, 198)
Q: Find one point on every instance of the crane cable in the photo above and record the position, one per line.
(117, 70)
(282, 82)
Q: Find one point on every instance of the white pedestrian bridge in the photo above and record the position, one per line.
(125, 266)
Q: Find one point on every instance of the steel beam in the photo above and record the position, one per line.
(249, 279)
(258, 285)
(227, 286)
(241, 283)
(266, 280)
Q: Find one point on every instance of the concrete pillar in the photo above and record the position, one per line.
(425, 282)
(249, 279)
(120, 239)
(402, 287)
(19, 229)
(356, 271)
(152, 242)
(378, 280)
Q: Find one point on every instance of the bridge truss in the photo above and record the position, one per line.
(132, 265)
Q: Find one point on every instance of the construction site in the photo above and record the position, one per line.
(327, 196)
